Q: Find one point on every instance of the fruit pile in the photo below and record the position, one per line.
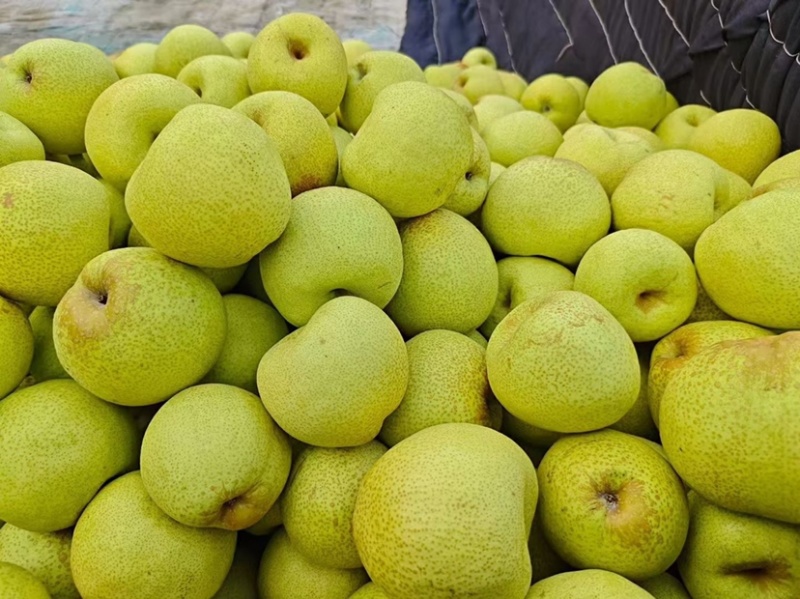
(283, 317)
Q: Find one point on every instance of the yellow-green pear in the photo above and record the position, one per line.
(587, 584)
(53, 219)
(513, 84)
(705, 309)
(653, 140)
(583, 118)
(17, 343)
(729, 554)
(749, 264)
(519, 135)
(18, 583)
(45, 364)
(37, 466)
(50, 85)
(239, 43)
(312, 381)
(182, 44)
(545, 562)
(563, 363)
(465, 105)
(664, 586)
(788, 183)
(626, 94)
(470, 192)
(546, 207)
(496, 171)
(273, 518)
(212, 190)
(285, 573)
(43, 554)
(124, 545)
(741, 140)
(785, 167)
(342, 139)
(127, 118)
(444, 75)
(678, 127)
(138, 327)
(251, 283)
(671, 104)
(447, 513)
(609, 154)
(220, 80)
(369, 591)
(446, 383)
(137, 59)
(355, 49)
(370, 74)
(638, 421)
(646, 280)
(609, 501)
(581, 87)
(319, 499)
(479, 56)
(449, 275)
(528, 436)
(712, 417)
(492, 107)
(213, 457)
(17, 142)
(477, 81)
(300, 53)
(242, 579)
(554, 97)
(302, 137)
(412, 150)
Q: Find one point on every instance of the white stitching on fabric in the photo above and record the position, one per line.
(638, 38)
(570, 42)
(703, 96)
(508, 39)
(605, 31)
(781, 42)
(730, 60)
(483, 24)
(435, 33)
(674, 23)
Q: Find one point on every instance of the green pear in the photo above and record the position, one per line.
(369, 591)
(273, 518)
(299, 53)
(285, 573)
(43, 554)
(521, 134)
(546, 207)
(220, 80)
(678, 127)
(355, 49)
(50, 85)
(677, 193)
(239, 43)
(370, 74)
(338, 242)
(412, 150)
(17, 343)
(787, 166)
(671, 104)
(446, 383)
(672, 352)
(312, 381)
(545, 562)
(654, 141)
(584, 119)
(213, 457)
(581, 87)
(665, 586)
(609, 501)
(212, 190)
(638, 421)
(251, 283)
(754, 240)
(493, 107)
(124, 545)
(609, 154)
(705, 309)
(643, 278)
(18, 583)
(496, 171)
(138, 59)
(302, 137)
(587, 584)
(788, 183)
(563, 363)
(182, 44)
(741, 140)
(471, 191)
(477, 81)
(342, 139)
(415, 542)
(138, 327)
(626, 94)
(242, 579)
(36, 465)
(252, 328)
(45, 364)
(554, 97)
(444, 75)
(712, 417)
(528, 437)
(735, 555)
(319, 500)
(120, 221)
(449, 275)
(513, 84)
(17, 141)
(53, 220)
(465, 105)
(479, 56)
(127, 118)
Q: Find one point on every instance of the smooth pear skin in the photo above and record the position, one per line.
(626, 94)
(182, 44)
(220, 80)
(18, 142)
(18, 583)
(587, 584)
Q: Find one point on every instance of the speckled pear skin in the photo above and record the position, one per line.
(446, 513)
(16, 346)
(220, 80)
(59, 441)
(338, 241)
(239, 43)
(19, 142)
(212, 456)
(50, 85)
(138, 327)
(369, 591)
(17, 583)
(312, 382)
(608, 501)
(665, 586)
(286, 574)
(182, 44)
(471, 190)
(113, 548)
(212, 190)
(126, 118)
(587, 584)
(563, 363)
(44, 554)
(137, 59)
(730, 421)
(411, 151)
(729, 554)
(53, 219)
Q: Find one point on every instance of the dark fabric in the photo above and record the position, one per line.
(439, 31)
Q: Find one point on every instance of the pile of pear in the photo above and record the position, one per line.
(285, 317)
